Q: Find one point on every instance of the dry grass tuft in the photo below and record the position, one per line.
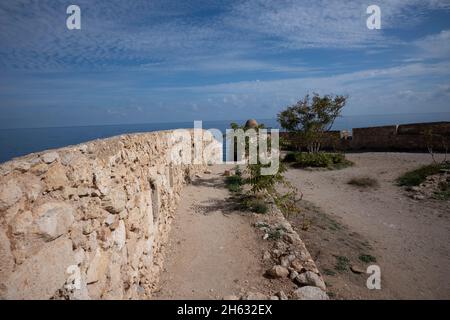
(364, 182)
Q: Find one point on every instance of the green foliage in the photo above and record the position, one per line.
(261, 186)
(234, 179)
(310, 117)
(260, 183)
(419, 175)
(443, 193)
(290, 157)
(237, 171)
(342, 263)
(256, 205)
(234, 188)
(276, 233)
(318, 160)
(329, 272)
(234, 183)
(234, 126)
(264, 183)
(288, 202)
(367, 258)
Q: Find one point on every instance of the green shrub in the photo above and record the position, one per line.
(290, 157)
(234, 179)
(342, 263)
(287, 202)
(256, 205)
(419, 175)
(329, 272)
(443, 193)
(234, 187)
(277, 233)
(318, 160)
(234, 183)
(367, 258)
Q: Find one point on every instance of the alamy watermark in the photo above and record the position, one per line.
(250, 146)
(374, 280)
(73, 21)
(373, 22)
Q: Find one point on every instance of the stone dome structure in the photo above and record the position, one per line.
(251, 123)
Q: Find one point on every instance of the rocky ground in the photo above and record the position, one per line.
(218, 253)
(347, 228)
(434, 187)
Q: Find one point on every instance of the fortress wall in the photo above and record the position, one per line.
(89, 221)
(408, 137)
(373, 138)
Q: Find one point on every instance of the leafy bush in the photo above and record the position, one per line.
(318, 160)
(277, 233)
(260, 183)
(419, 175)
(290, 157)
(287, 202)
(234, 187)
(256, 205)
(443, 193)
(342, 263)
(234, 179)
(234, 183)
(367, 258)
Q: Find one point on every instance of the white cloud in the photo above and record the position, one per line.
(435, 46)
(119, 34)
(371, 91)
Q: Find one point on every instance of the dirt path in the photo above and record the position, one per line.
(410, 239)
(212, 252)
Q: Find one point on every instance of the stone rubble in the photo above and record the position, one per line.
(429, 188)
(290, 258)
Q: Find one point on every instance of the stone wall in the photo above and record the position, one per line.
(89, 221)
(377, 138)
(408, 137)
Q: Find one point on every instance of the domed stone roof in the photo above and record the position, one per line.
(251, 123)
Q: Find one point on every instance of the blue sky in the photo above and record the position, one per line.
(165, 61)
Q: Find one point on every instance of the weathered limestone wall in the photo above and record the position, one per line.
(89, 221)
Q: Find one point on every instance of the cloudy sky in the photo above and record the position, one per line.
(165, 61)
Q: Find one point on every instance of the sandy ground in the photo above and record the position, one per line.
(409, 238)
(213, 252)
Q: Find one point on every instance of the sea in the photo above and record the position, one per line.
(21, 141)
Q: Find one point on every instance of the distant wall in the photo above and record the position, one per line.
(408, 137)
(374, 138)
(89, 221)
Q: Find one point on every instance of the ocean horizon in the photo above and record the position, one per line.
(16, 142)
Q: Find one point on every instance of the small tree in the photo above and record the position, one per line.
(259, 183)
(265, 186)
(309, 118)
